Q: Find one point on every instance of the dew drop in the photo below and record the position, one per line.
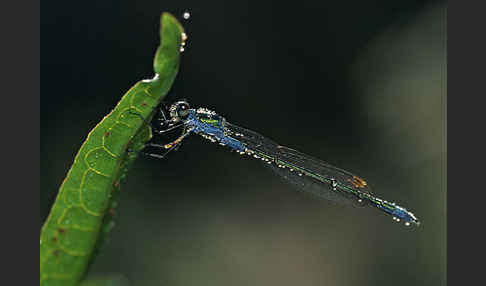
(183, 41)
(334, 183)
(184, 37)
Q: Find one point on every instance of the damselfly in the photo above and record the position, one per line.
(308, 174)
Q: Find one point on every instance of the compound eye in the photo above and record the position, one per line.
(183, 109)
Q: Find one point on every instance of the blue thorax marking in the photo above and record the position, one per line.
(211, 126)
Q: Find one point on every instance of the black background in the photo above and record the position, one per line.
(308, 77)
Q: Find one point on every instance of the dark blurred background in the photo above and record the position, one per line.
(359, 84)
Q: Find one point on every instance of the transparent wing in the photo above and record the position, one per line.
(308, 174)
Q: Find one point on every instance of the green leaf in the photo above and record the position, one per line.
(81, 214)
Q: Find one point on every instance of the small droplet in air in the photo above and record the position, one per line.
(186, 15)
(407, 223)
(181, 49)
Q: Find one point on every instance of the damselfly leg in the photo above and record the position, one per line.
(169, 128)
(162, 109)
(168, 122)
(167, 125)
(172, 146)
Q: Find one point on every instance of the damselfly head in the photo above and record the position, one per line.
(179, 110)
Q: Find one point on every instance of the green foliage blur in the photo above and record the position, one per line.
(359, 84)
